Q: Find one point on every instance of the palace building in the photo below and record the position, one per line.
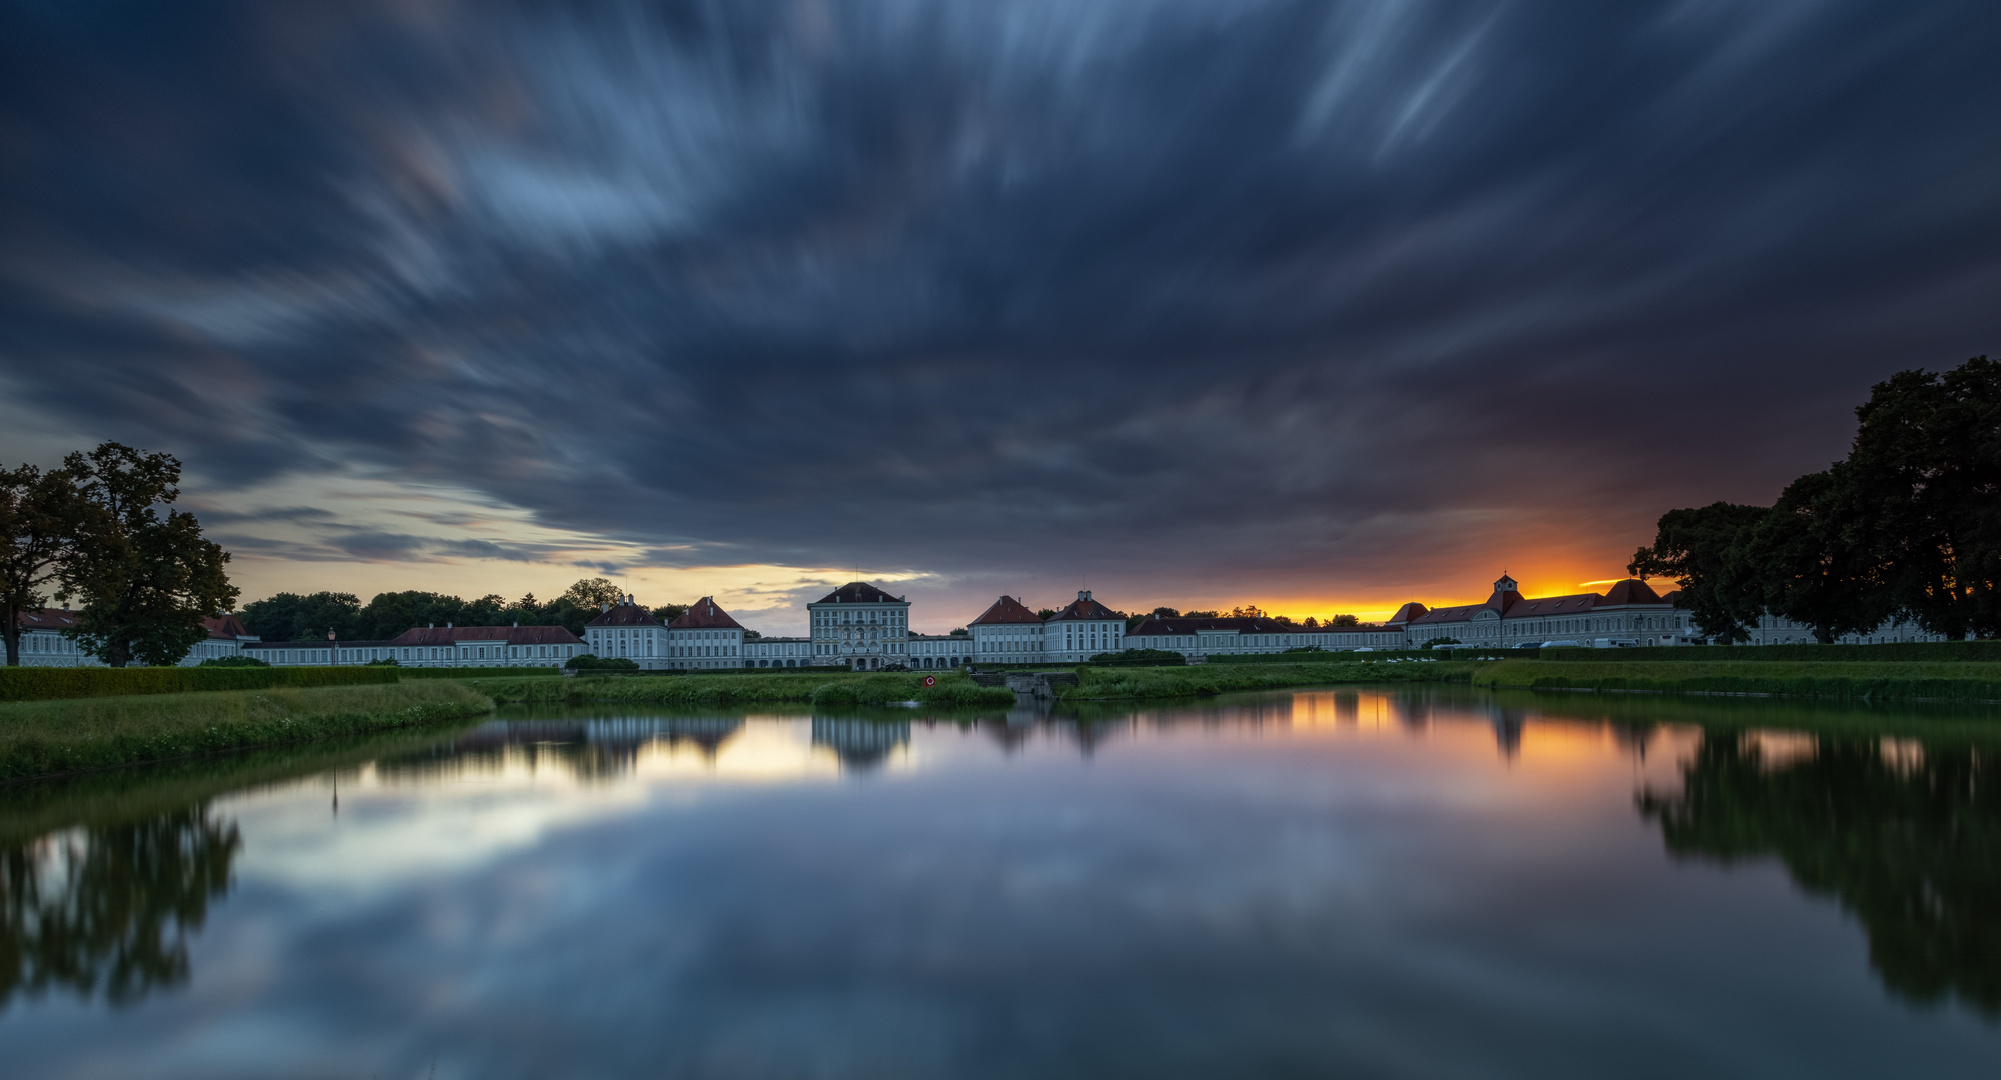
(1629, 612)
(43, 643)
(861, 627)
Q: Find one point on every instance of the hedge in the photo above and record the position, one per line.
(45, 683)
(471, 672)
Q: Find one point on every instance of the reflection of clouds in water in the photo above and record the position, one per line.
(1223, 888)
(440, 814)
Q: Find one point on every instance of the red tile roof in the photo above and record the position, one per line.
(1006, 610)
(627, 615)
(858, 592)
(703, 614)
(47, 618)
(1631, 591)
(1549, 606)
(512, 635)
(225, 627)
(1408, 613)
(1086, 608)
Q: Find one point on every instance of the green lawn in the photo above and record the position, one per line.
(1875, 681)
(38, 738)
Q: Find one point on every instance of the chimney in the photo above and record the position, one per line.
(604, 607)
(430, 626)
(448, 626)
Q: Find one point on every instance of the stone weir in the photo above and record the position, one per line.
(1038, 684)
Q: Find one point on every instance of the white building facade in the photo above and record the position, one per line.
(861, 627)
(935, 651)
(628, 631)
(1008, 633)
(445, 646)
(704, 638)
(1229, 635)
(43, 643)
(778, 652)
(1082, 630)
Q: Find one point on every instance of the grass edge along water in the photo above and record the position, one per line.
(951, 689)
(1204, 679)
(43, 738)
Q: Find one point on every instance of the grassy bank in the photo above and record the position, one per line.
(51, 683)
(107, 797)
(1879, 681)
(38, 738)
(829, 689)
(1203, 679)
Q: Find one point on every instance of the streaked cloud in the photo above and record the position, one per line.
(1341, 303)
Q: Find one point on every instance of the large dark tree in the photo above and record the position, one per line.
(1704, 550)
(1809, 559)
(1925, 477)
(590, 592)
(37, 523)
(146, 579)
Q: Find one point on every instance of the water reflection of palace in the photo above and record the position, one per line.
(860, 744)
(589, 749)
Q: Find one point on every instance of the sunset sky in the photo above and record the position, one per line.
(1319, 305)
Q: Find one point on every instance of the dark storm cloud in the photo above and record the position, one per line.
(952, 286)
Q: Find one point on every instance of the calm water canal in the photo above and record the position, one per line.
(1386, 883)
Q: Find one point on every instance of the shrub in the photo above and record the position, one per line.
(1139, 658)
(232, 661)
(588, 662)
(408, 673)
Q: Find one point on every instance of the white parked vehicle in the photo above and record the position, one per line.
(1564, 644)
(1616, 643)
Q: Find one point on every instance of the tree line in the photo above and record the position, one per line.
(1241, 611)
(291, 617)
(101, 530)
(1907, 526)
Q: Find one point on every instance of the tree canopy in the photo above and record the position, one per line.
(38, 512)
(1908, 525)
(292, 617)
(147, 580)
